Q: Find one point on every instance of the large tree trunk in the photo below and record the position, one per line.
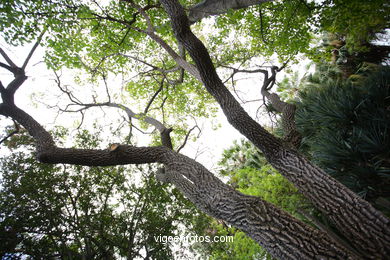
(365, 227)
(282, 235)
(278, 232)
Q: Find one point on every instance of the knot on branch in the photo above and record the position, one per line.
(113, 147)
(162, 175)
(44, 156)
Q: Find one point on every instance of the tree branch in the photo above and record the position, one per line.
(186, 138)
(208, 7)
(327, 194)
(154, 96)
(7, 59)
(164, 131)
(291, 135)
(17, 129)
(33, 49)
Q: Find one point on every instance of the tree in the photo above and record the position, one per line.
(344, 124)
(50, 211)
(278, 232)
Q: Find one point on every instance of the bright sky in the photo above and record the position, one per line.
(40, 90)
(40, 86)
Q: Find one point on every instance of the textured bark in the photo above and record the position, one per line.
(282, 235)
(291, 135)
(215, 7)
(277, 231)
(326, 230)
(364, 226)
(48, 152)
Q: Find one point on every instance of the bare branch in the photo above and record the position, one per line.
(164, 131)
(186, 138)
(7, 59)
(17, 129)
(7, 67)
(154, 96)
(33, 49)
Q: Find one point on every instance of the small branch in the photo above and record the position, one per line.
(2, 88)
(17, 129)
(106, 87)
(33, 49)
(64, 90)
(262, 27)
(190, 68)
(186, 138)
(7, 67)
(154, 97)
(164, 131)
(7, 59)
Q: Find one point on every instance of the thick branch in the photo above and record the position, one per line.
(216, 7)
(291, 135)
(251, 214)
(48, 152)
(364, 226)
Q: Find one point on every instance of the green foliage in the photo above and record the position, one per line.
(287, 28)
(239, 247)
(249, 172)
(240, 155)
(274, 27)
(357, 20)
(93, 212)
(346, 130)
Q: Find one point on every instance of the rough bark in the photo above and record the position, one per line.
(291, 135)
(216, 7)
(364, 226)
(282, 235)
(278, 232)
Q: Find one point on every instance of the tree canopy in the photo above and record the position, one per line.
(176, 65)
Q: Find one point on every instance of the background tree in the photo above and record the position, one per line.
(71, 212)
(345, 126)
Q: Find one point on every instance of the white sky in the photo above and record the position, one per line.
(40, 86)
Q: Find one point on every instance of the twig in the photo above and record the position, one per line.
(17, 129)
(186, 138)
(154, 97)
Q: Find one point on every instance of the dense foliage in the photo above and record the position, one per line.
(346, 130)
(81, 212)
(74, 212)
